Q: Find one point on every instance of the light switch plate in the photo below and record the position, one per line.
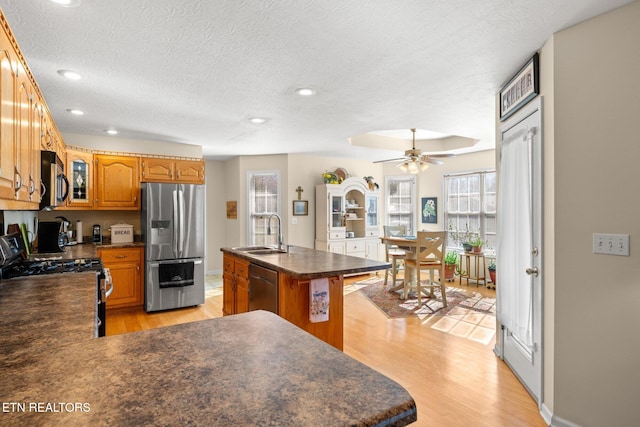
(611, 244)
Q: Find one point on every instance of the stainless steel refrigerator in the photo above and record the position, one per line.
(173, 233)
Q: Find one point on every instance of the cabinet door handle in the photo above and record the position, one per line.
(121, 256)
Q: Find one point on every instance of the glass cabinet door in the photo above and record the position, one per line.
(79, 172)
(80, 180)
(336, 203)
(372, 211)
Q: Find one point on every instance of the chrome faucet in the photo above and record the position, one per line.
(280, 239)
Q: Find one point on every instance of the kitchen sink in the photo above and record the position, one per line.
(251, 248)
(260, 250)
(266, 251)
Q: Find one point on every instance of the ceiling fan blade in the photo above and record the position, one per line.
(442, 155)
(399, 159)
(428, 159)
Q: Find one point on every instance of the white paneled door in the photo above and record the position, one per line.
(519, 246)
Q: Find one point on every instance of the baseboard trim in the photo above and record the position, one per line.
(555, 421)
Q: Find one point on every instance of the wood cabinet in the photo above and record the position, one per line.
(7, 119)
(79, 171)
(293, 305)
(25, 128)
(347, 219)
(125, 265)
(117, 184)
(155, 169)
(235, 282)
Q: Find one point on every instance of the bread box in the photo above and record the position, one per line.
(121, 233)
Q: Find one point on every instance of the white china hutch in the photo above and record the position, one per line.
(348, 219)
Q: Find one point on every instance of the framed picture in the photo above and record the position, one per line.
(301, 207)
(522, 88)
(429, 210)
(232, 209)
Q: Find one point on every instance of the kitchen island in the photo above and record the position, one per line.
(250, 369)
(295, 269)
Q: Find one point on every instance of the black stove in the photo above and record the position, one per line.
(14, 263)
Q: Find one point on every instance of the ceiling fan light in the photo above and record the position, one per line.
(403, 166)
(413, 168)
(424, 166)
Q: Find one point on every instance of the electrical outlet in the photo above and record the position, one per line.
(294, 221)
(611, 244)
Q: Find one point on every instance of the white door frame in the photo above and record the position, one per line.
(526, 363)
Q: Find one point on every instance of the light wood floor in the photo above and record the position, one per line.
(454, 381)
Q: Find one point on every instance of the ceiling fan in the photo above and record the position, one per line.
(414, 161)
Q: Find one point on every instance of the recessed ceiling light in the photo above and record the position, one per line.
(67, 3)
(305, 91)
(257, 120)
(75, 111)
(112, 131)
(68, 74)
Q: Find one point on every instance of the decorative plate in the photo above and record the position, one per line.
(342, 173)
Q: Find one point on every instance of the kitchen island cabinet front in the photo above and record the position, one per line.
(296, 268)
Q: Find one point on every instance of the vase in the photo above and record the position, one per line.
(467, 247)
(492, 276)
(476, 249)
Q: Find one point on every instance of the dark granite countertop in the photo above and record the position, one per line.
(305, 263)
(40, 314)
(249, 369)
(83, 250)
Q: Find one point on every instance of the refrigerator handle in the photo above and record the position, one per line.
(176, 221)
(181, 229)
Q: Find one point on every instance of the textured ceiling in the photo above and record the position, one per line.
(195, 71)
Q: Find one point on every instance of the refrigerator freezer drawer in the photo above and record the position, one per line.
(174, 284)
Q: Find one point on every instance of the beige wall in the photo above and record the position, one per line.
(596, 69)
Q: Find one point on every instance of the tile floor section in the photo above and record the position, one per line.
(461, 322)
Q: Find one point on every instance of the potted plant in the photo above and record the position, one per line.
(492, 271)
(450, 265)
(462, 237)
(476, 243)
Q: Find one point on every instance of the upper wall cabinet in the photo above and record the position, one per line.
(7, 119)
(79, 171)
(25, 122)
(117, 183)
(171, 170)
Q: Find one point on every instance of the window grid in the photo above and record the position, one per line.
(401, 202)
(471, 206)
(264, 200)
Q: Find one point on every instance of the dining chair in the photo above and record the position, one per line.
(393, 254)
(431, 249)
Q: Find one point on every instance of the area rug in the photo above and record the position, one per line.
(459, 301)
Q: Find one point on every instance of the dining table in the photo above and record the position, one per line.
(410, 245)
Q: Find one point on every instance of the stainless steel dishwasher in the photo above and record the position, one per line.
(263, 288)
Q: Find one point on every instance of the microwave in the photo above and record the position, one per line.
(54, 183)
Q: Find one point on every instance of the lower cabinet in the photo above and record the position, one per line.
(235, 283)
(127, 274)
(360, 247)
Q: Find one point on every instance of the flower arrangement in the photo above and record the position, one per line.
(331, 178)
